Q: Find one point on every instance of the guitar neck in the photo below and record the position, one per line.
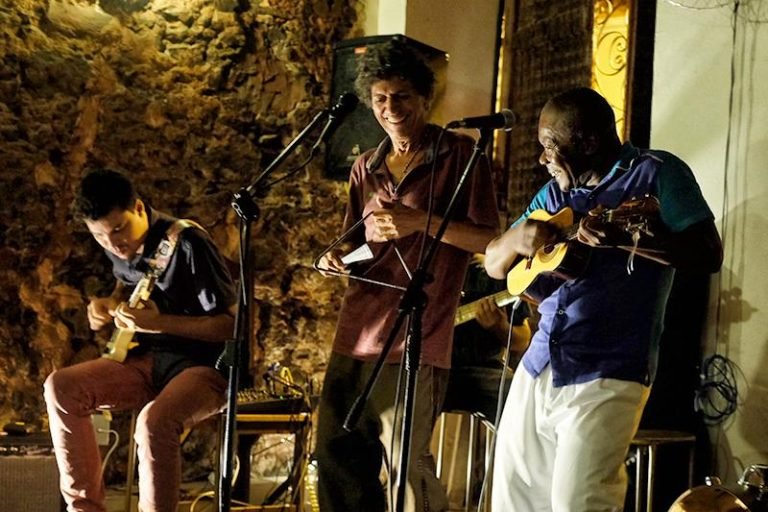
(469, 311)
(142, 291)
(569, 233)
(631, 215)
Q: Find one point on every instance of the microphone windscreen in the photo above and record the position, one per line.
(345, 104)
(509, 119)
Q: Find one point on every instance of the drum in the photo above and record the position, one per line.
(751, 494)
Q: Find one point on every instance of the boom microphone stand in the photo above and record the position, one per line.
(236, 352)
(412, 305)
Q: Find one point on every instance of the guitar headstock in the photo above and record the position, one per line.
(633, 215)
(646, 205)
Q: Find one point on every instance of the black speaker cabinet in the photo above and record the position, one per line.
(360, 131)
(29, 478)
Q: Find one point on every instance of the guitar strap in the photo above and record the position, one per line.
(165, 249)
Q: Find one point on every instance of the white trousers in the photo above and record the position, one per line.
(563, 449)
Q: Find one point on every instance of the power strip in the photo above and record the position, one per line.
(101, 421)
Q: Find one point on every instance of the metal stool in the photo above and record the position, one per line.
(476, 422)
(645, 445)
(130, 469)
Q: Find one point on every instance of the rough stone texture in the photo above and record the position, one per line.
(193, 99)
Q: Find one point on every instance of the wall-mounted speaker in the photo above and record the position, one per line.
(360, 131)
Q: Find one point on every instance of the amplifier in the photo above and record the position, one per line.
(29, 478)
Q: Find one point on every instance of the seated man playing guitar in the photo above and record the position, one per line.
(480, 338)
(574, 407)
(181, 323)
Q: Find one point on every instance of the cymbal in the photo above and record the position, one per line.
(713, 498)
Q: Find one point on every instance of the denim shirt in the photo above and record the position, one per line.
(606, 323)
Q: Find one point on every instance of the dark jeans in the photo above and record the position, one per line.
(350, 463)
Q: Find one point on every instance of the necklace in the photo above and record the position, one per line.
(412, 158)
(416, 151)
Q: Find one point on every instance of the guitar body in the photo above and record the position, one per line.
(564, 259)
(119, 345)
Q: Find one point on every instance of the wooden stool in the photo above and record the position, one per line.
(645, 444)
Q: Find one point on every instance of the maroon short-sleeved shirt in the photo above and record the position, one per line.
(369, 311)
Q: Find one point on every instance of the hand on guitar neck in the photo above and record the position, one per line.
(142, 318)
(479, 309)
(603, 227)
(488, 313)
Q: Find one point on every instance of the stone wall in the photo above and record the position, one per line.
(193, 99)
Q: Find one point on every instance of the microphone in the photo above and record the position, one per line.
(504, 119)
(344, 105)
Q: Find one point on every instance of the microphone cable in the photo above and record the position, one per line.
(501, 399)
(290, 172)
(431, 203)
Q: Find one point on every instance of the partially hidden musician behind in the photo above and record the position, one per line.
(574, 407)
(393, 185)
(479, 357)
(180, 314)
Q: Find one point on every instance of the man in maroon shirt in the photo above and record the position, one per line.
(392, 187)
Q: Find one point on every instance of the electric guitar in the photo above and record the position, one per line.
(567, 259)
(122, 339)
(468, 311)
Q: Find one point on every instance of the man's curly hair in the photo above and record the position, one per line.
(393, 59)
(100, 192)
